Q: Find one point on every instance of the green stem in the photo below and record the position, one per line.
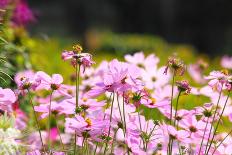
(95, 150)
(58, 129)
(111, 112)
(203, 135)
(214, 133)
(49, 122)
(124, 114)
(112, 146)
(36, 120)
(177, 102)
(124, 118)
(121, 117)
(173, 81)
(77, 99)
(214, 115)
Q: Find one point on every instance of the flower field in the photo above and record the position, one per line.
(61, 100)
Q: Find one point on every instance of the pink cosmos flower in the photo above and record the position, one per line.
(196, 71)
(154, 78)
(168, 131)
(53, 83)
(7, 98)
(152, 103)
(226, 62)
(90, 127)
(87, 105)
(217, 80)
(119, 78)
(26, 80)
(194, 128)
(139, 59)
(44, 108)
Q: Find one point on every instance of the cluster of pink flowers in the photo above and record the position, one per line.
(124, 107)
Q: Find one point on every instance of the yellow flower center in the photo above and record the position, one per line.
(88, 121)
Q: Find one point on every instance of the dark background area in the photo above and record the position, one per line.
(205, 24)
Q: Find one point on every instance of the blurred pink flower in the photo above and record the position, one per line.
(7, 98)
(226, 62)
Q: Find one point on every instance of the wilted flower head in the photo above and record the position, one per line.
(176, 65)
(183, 86)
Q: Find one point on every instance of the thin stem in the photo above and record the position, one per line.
(49, 122)
(222, 141)
(149, 136)
(111, 112)
(173, 81)
(82, 146)
(77, 99)
(95, 150)
(58, 129)
(214, 115)
(214, 133)
(123, 109)
(124, 118)
(203, 135)
(112, 146)
(121, 116)
(177, 101)
(36, 120)
(174, 123)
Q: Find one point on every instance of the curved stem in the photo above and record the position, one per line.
(36, 120)
(214, 133)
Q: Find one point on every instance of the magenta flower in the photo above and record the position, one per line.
(22, 14)
(3, 3)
